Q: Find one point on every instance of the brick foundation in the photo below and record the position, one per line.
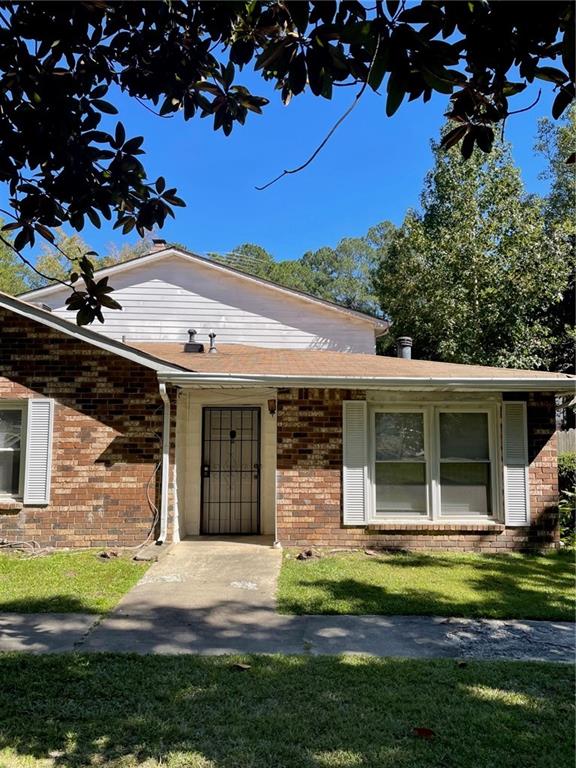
(309, 484)
(106, 441)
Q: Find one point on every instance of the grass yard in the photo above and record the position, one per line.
(283, 712)
(468, 585)
(66, 582)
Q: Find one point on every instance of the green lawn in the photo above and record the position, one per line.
(284, 712)
(65, 582)
(491, 586)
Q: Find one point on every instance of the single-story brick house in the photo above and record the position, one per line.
(290, 426)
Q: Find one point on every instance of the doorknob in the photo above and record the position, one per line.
(205, 470)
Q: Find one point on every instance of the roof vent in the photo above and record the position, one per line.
(212, 336)
(192, 345)
(404, 347)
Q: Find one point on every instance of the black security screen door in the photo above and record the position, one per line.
(230, 470)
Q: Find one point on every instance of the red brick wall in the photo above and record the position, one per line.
(309, 483)
(107, 437)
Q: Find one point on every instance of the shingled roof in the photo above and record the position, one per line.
(242, 359)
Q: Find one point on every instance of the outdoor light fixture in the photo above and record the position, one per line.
(272, 406)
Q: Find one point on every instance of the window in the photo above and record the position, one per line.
(11, 423)
(465, 487)
(433, 463)
(400, 470)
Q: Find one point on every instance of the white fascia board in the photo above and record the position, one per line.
(372, 382)
(86, 335)
(380, 326)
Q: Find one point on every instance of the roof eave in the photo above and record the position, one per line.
(468, 384)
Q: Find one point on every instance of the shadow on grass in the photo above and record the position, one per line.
(293, 712)
(495, 586)
(50, 604)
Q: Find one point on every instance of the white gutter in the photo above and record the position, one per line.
(165, 464)
(495, 384)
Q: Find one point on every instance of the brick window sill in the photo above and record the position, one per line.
(433, 528)
(10, 506)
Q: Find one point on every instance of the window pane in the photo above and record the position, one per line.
(465, 490)
(401, 489)
(399, 436)
(9, 472)
(10, 428)
(464, 436)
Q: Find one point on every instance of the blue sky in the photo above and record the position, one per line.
(371, 170)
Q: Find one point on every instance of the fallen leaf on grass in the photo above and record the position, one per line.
(423, 733)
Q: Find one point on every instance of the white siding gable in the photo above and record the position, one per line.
(163, 299)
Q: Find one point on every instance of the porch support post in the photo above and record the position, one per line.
(165, 465)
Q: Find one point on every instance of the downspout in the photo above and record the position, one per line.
(165, 465)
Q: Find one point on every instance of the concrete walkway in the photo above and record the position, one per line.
(214, 597)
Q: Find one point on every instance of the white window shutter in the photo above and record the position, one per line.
(38, 451)
(355, 450)
(515, 446)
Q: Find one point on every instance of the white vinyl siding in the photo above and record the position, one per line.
(354, 461)
(515, 443)
(38, 451)
(161, 301)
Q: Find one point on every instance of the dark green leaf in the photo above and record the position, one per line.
(551, 74)
(511, 89)
(299, 13)
(297, 74)
(109, 303)
(467, 146)
(563, 99)
(454, 136)
(484, 137)
(105, 106)
(421, 14)
(395, 93)
(437, 82)
(120, 135)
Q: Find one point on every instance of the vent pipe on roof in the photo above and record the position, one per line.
(404, 347)
(212, 336)
(192, 345)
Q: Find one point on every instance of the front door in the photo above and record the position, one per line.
(230, 470)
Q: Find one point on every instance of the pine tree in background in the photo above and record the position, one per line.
(472, 276)
(556, 142)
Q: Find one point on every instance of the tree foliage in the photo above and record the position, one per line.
(14, 274)
(472, 277)
(53, 263)
(555, 142)
(344, 274)
(60, 64)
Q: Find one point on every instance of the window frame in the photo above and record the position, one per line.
(431, 415)
(372, 513)
(17, 405)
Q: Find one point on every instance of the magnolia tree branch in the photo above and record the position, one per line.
(332, 130)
